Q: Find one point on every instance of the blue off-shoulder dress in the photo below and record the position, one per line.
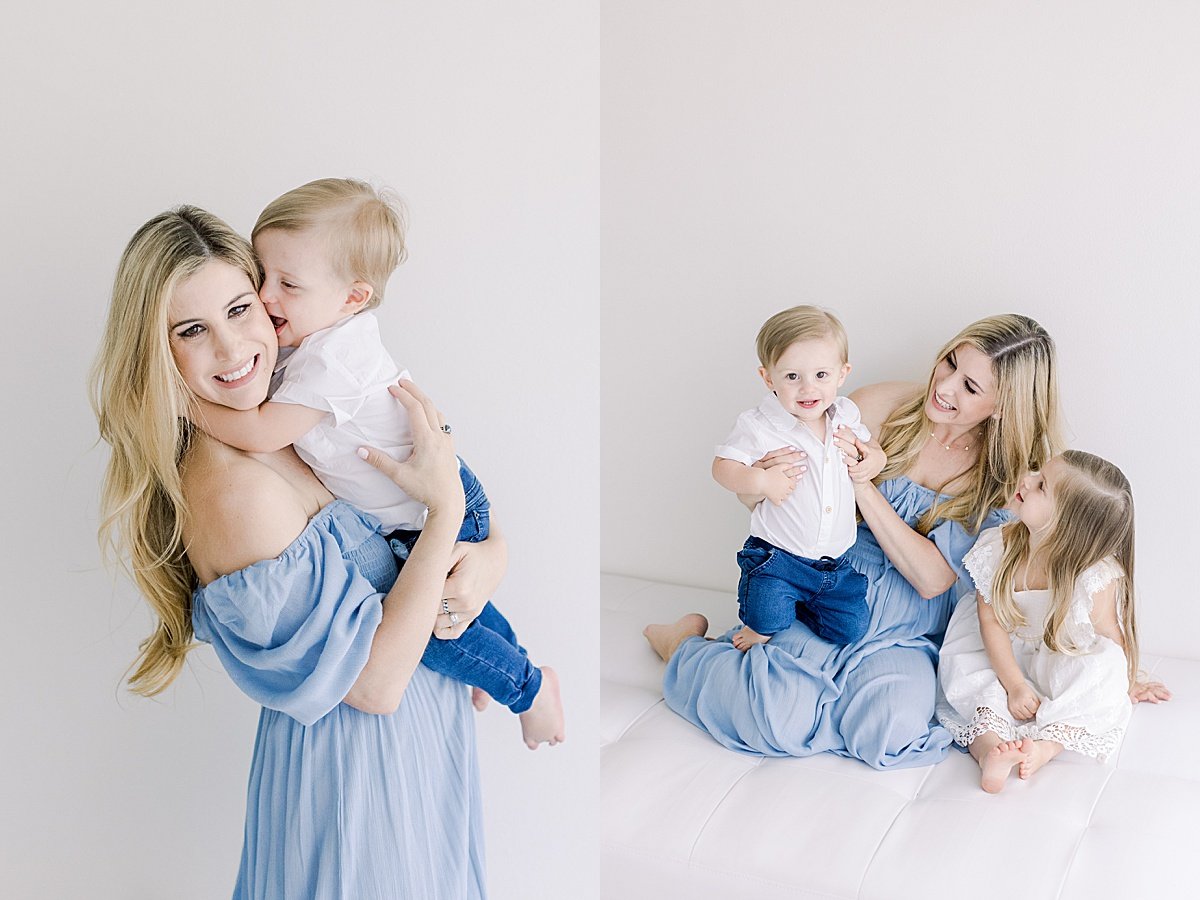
(798, 695)
(341, 803)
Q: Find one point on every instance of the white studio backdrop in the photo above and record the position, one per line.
(484, 116)
(913, 167)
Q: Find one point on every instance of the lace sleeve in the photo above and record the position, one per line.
(1093, 580)
(982, 559)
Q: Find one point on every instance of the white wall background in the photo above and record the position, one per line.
(915, 167)
(485, 117)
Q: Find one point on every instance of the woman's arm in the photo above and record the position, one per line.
(475, 572)
(915, 556)
(411, 606)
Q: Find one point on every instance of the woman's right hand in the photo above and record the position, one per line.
(789, 457)
(430, 474)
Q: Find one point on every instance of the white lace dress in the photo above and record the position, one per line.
(1085, 702)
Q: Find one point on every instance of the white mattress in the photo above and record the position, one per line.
(683, 817)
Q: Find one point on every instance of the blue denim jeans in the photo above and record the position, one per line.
(487, 654)
(777, 587)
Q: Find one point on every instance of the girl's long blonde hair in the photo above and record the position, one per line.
(1092, 521)
(1022, 434)
(140, 402)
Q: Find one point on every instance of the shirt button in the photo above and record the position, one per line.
(829, 509)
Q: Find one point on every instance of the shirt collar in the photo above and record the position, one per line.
(784, 420)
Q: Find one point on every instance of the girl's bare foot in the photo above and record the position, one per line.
(748, 637)
(665, 639)
(542, 723)
(480, 699)
(1039, 754)
(1000, 760)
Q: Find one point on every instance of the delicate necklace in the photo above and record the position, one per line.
(947, 446)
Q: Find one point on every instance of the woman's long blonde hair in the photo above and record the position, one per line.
(1022, 434)
(140, 402)
(1092, 520)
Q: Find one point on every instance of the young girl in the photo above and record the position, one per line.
(1044, 659)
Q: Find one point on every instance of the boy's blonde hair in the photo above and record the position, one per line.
(1092, 520)
(1022, 434)
(800, 323)
(141, 404)
(363, 227)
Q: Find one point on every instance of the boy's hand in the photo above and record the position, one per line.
(777, 484)
(1023, 703)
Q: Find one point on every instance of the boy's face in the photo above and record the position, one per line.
(806, 377)
(302, 291)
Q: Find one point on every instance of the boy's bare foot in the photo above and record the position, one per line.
(542, 723)
(1039, 754)
(480, 699)
(748, 637)
(999, 762)
(665, 639)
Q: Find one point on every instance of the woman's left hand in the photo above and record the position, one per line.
(475, 572)
(863, 460)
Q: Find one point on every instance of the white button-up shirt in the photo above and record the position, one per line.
(817, 518)
(345, 371)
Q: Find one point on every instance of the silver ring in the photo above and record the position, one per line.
(860, 459)
(446, 429)
(445, 606)
(453, 619)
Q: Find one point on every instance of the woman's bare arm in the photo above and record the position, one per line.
(409, 611)
(475, 572)
(411, 606)
(914, 555)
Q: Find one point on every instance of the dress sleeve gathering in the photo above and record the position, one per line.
(294, 632)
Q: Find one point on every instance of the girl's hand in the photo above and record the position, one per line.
(1023, 703)
(475, 573)
(863, 460)
(1149, 692)
(430, 475)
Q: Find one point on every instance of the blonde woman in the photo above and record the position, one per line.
(955, 449)
(352, 793)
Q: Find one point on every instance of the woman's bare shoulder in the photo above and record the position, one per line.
(239, 511)
(878, 401)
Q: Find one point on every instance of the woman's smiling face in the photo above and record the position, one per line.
(221, 337)
(963, 393)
